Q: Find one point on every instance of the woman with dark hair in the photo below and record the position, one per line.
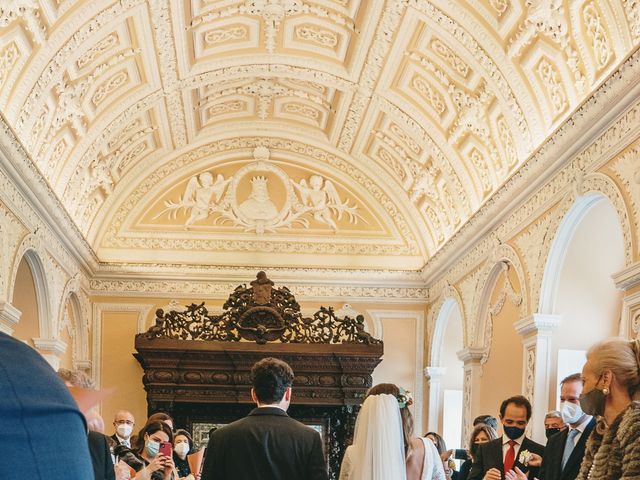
(148, 462)
(481, 434)
(161, 417)
(182, 446)
(384, 447)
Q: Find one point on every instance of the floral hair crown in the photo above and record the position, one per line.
(404, 398)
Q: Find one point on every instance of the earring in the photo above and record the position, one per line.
(605, 390)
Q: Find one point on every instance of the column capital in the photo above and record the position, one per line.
(51, 349)
(471, 354)
(50, 345)
(434, 373)
(537, 324)
(9, 317)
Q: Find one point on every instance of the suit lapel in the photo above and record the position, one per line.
(578, 451)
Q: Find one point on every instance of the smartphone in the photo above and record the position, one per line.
(460, 454)
(166, 449)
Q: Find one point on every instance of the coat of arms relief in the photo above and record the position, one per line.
(210, 195)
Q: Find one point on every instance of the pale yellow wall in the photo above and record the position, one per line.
(399, 359)
(502, 374)
(119, 370)
(25, 300)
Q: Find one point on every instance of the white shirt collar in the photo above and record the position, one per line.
(583, 424)
(519, 440)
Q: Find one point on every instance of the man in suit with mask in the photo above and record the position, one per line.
(267, 444)
(565, 450)
(510, 451)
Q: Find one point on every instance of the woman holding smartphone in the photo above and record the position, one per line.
(151, 449)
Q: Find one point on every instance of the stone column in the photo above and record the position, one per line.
(9, 317)
(471, 386)
(51, 349)
(434, 377)
(536, 332)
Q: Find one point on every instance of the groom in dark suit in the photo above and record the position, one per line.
(267, 444)
(565, 450)
(510, 451)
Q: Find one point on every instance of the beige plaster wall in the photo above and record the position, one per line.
(502, 374)
(25, 300)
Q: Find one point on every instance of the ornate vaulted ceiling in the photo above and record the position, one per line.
(344, 133)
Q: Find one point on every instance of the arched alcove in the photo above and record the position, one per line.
(577, 284)
(447, 373)
(502, 365)
(36, 292)
(447, 342)
(25, 299)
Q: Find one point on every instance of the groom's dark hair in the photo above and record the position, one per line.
(271, 378)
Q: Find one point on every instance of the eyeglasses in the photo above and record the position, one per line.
(124, 422)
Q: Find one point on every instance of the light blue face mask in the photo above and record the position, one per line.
(152, 447)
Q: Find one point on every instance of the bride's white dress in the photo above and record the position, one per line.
(432, 468)
(377, 452)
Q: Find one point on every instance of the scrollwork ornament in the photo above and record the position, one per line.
(260, 313)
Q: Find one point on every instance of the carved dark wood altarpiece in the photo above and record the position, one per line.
(197, 366)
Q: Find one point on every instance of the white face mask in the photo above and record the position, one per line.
(181, 449)
(124, 430)
(570, 412)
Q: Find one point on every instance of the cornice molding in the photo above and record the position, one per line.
(537, 324)
(627, 278)
(471, 355)
(49, 345)
(33, 187)
(218, 290)
(9, 317)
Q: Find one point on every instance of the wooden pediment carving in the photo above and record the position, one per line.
(195, 357)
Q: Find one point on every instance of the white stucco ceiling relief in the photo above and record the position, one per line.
(335, 133)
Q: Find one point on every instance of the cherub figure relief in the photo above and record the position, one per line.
(201, 195)
(321, 198)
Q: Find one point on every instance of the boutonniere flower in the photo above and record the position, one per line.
(524, 457)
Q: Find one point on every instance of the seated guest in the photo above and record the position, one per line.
(487, 420)
(611, 391)
(553, 423)
(509, 453)
(266, 444)
(481, 434)
(564, 452)
(146, 450)
(123, 423)
(182, 446)
(36, 413)
(384, 446)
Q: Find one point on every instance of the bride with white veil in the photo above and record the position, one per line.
(377, 452)
(383, 444)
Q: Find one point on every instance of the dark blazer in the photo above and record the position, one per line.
(552, 459)
(43, 435)
(489, 456)
(267, 445)
(115, 438)
(101, 457)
